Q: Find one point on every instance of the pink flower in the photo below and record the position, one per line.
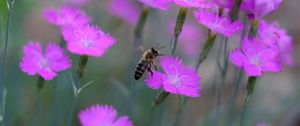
(177, 78)
(194, 3)
(125, 10)
(87, 40)
(257, 9)
(255, 58)
(277, 38)
(102, 115)
(66, 16)
(157, 4)
(218, 24)
(46, 65)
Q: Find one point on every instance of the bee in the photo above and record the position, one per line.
(146, 62)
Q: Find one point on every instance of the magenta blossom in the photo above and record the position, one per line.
(257, 9)
(125, 10)
(194, 3)
(87, 40)
(102, 115)
(66, 16)
(218, 24)
(177, 78)
(255, 58)
(157, 4)
(45, 64)
(277, 38)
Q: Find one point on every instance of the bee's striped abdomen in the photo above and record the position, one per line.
(140, 69)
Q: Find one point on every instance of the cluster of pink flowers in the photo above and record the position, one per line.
(176, 79)
(81, 38)
(102, 115)
(266, 52)
(269, 49)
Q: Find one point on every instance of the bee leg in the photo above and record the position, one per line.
(155, 67)
(151, 72)
(149, 69)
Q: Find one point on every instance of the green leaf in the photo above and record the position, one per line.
(3, 14)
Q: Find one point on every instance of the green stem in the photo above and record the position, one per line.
(231, 113)
(250, 89)
(72, 111)
(207, 47)
(178, 27)
(40, 85)
(234, 13)
(253, 29)
(81, 65)
(62, 42)
(180, 111)
(4, 61)
(251, 84)
(220, 87)
(138, 33)
(160, 97)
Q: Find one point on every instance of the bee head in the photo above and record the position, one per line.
(155, 52)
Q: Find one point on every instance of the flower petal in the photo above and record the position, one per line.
(252, 70)
(170, 64)
(47, 73)
(268, 55)
(271, 67)
(32, 55)
(155, 81)
(57, 59)
(97, 115)
(237, 58)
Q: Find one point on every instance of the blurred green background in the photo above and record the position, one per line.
(275, 99)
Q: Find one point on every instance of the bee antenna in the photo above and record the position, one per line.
(157, 45)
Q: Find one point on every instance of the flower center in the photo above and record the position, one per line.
(86, 43)
(44, 63)
(255, 61)
(174, 80)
